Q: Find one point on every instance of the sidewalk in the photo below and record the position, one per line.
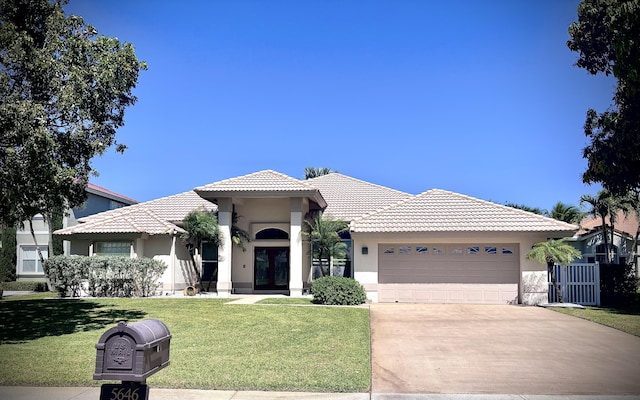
(93, 393)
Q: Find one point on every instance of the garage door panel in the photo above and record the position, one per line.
(451, 273)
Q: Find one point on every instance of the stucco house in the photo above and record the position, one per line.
(589, 239)
(437, 246)
(29, 267)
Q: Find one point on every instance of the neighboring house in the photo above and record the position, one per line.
(28, 265)
(590, 242)
(437, 246)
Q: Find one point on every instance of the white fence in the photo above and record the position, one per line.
(579, 283)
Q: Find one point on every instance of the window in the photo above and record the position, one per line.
(30, 261)
(422, 249)
(601, 253)
(506, 251)
(437, 251)
(473, 250)
(490, 250)
(389, 250)
(112, 249)
(404, 250)
(115, 204)
(272, 233)
(456, 251)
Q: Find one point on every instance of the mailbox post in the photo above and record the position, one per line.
(131, 353)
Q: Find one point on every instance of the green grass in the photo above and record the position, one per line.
(624, 319)
(286, 300)
(51, 342)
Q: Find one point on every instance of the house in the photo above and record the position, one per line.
(28, 263)
(437, 246)
(589, 239)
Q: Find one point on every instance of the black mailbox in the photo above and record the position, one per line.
(132, 352)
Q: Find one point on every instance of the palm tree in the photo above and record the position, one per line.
(567, 213)
(324, 234)
(601, 206)
(553, 252)
(238, 236)
(200, 225)
(313, 172)
(525, 207)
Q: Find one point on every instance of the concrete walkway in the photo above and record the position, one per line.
(93, 393)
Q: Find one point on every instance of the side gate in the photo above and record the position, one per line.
(579, 283)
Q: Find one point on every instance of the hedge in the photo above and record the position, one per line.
(338, 290)
(104, 276)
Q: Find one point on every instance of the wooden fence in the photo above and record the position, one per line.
(579, 283)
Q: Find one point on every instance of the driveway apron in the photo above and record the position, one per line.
(450, 348)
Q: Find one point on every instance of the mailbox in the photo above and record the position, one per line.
(132, 352)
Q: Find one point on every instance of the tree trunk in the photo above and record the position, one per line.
(606, 241)
(554, 280)
(40, 257)
(198, 284)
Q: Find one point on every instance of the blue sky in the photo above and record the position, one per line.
(476, 97)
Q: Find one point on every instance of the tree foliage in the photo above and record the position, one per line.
(313, 172)
(606, 40)
(553, 252)
(525, 207)
(324, 234)
(63, 93)
(200, 225)
(8, 257)
(566, 213)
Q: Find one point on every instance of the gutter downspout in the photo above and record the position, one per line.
(173, 261)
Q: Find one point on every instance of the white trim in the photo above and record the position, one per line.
(29, 232)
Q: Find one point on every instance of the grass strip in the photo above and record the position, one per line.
(624, 319)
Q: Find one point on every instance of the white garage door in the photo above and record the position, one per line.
(448, 273)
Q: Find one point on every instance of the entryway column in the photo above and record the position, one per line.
(225, 209)
(295, 246)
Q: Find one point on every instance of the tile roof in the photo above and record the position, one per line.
(442, 211)
(628, 224)
(109, 193)
(152, 217)
(350, 198)
(262, 181)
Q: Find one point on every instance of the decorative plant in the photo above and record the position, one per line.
(553, 252)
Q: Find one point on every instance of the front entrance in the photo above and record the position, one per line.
(271, 268)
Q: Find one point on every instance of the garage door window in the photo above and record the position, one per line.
(490, 250)
(506, 251)
(422, 249)
(404, 250)
(473, 250)
(389, 250)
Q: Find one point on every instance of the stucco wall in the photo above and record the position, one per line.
(366, 265)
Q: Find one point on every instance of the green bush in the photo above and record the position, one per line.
(618, 285)
(104, 276)
(338, 290)
(29, 286)
(66, 274)
(8, 254)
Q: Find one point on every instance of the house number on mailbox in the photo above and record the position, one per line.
(124, 392)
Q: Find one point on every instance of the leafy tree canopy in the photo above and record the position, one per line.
(63, 93)
(606, 40)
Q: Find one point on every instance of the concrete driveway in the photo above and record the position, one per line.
(419, 348)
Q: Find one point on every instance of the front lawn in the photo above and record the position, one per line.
(287, 300)
(624, 319)
(51, 342)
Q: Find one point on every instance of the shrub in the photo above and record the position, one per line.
(618, 284)
(66, 274)
(104, 276)
(30, 286)
(8, 254)
(337, 290)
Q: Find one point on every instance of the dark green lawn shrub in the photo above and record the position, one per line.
(66, 274)
(103, 276)
(338, 290)
(8, 254)
(25, 286)
(618, 285)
